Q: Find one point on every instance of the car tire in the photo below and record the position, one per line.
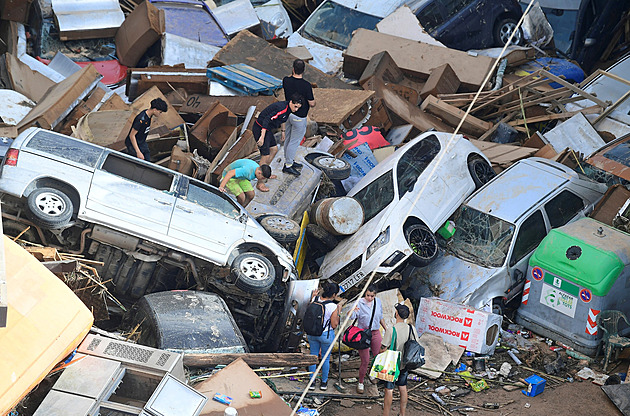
(50, 207)
(498, 306)
(321, 238)
(502, 30)
(253, 273)
(480, 171)
(423, 244)
(281, 228)
(333, 167)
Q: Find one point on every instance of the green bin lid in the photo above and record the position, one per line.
(573, 259)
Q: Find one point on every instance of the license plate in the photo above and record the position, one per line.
(558, 300)
(352, 280)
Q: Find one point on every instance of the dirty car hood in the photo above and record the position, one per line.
(450, 278)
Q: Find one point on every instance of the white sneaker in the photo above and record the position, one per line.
(360, 388)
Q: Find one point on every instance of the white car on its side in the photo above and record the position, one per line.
(406, 198)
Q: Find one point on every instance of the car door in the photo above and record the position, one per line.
(206, 221)
(419, 186)
(127, 193)
(528, 236)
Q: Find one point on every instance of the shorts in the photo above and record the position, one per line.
(238, 186)
(402, 381)
(269, 142)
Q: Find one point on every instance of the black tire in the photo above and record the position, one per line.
(321, 238)
(502, 30)
(253, 272)
(423, 244)
(281, 228)
(50, 207)
(480, 171)
(498, 306)
(333, 167)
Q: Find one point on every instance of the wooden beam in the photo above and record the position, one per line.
(611, 108)
(573, 88)
(453, 115)
(559, 116)
(254, 360)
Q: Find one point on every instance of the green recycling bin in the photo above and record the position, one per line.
(576, 272)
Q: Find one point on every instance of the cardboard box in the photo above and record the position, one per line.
(141, 29)
(473, 329)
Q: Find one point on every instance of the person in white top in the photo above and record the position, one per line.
(321, 344)
(367, 306)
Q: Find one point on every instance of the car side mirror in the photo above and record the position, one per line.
(242, 219)
(518, 275)
(590, 42)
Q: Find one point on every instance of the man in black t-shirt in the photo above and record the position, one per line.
(296, 124)
(136, 140)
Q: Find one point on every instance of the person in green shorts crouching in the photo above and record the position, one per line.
(237, 177)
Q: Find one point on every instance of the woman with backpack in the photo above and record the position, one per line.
(369, 314)
(322, 316)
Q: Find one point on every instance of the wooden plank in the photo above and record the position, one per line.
(492, 129)
(516, 105)
(254, 51)
(559, 116)
(256, 360)
(415, 58)
(200, 103)
(611, 108)
(453, 116)
(411, 113)
(573, 88)
(334, 106)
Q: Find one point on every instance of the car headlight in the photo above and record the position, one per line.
(381, 240)
(278, 20)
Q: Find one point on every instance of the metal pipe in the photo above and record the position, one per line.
(82, 244)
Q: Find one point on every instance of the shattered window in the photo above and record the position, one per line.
(332, 24)
(619, 153)
(376, 196)
(61, 146)
(480, 237)
(562, 208)
(414, 162)
(201, 195)
(529, 236)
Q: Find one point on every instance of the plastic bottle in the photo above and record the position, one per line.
(230, 411)
(414, 377)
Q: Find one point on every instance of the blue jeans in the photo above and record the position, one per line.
(322, 343)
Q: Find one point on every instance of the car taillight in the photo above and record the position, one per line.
(10, 159)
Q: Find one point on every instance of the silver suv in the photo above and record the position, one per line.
(154, 229)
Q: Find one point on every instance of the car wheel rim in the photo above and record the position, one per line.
(280, 223)
(483, 172)
(506, 31)
(254, 269)
(331, 163)
(50, 204)
(422, 243)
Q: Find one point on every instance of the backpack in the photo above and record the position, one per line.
(413, 353)
(313, 321)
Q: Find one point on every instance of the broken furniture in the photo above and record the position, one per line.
(115, 376)
(141, 29)
(245, 79)
(260, 54)
(166, 79)
(608, 322)
(87, 19)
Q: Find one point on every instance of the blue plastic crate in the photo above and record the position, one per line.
(535, 385)
(245, 79)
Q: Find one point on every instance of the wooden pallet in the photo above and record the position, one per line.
(244, 78)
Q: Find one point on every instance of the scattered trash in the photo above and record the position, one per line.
(505, 369)
(491, 405)
(438, 399)
(255, 394)
(222, 398)
(514, 357)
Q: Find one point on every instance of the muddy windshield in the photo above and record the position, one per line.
(376, 196)
(332, 24)
(481, 238)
